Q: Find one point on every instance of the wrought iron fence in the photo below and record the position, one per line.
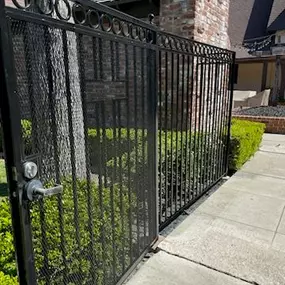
(99, 97)
(194, 117)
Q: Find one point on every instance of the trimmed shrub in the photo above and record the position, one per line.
(200, 151)
(245, 140)
(7, 257)
(111, 143)
(8, 280)
(108, 207)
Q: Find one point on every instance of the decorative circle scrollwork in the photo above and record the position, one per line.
(142, 35)
(125, 29)
(116, 26)
(59, 12)
(93, 19)
(171, 43)
(44, 7)
(134, 32)
(79, 14)
(106, 23)
(19, 6)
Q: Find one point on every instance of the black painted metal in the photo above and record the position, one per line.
(132, 121)
(194, 121)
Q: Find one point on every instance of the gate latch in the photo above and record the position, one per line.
(35, 190)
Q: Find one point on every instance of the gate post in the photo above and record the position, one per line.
(152, 59)
(232, 75)
(11, 127)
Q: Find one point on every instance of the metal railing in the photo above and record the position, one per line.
(195, 92)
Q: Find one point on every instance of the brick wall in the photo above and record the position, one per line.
(201, 20)
(275, 125)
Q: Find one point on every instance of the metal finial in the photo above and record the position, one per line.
(150, 18)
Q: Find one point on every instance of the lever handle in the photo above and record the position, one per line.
(35, 190)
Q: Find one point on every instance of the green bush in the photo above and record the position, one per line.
(111, 143)
(245, 140)
(173, 169)
(108, 207)
(26, 135)
(7, 257)
(8, 280)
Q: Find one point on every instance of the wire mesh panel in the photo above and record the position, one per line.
(85, 79)
(194, 116)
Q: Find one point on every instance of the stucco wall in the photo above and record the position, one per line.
(270, 75)
(249, 76)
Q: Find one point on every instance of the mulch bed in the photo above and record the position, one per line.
(264, 111)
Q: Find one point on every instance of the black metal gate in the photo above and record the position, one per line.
(79, 119)
(111, 127)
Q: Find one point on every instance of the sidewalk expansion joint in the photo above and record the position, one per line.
(209, 267)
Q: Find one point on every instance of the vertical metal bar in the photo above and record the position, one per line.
(152, 60)
(216, 112)
(208, 124)
(195, 162)
(105, 171)
(218, 144)
(52, 104)
(11, 124)
(136, 145)
(121, 187)
(143, 139)
(100, 57)
(177, 133)
(191, 162)
(129, 153)
(117, 57)
(182, 149)
(95, 57)
(72, 144)
(98, 115)
(212, 119)
(112, 61)
(203, 133)
(230, 108)
(171, 130)
(187, 134)
(224, 90)
(113, 181)
(160, 139)
(82, 82)
(199, 165)
(35, 139)
(166, 186)
(28, 60)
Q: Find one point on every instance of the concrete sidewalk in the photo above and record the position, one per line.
(236, 236)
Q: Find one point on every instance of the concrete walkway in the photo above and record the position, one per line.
(236, 236)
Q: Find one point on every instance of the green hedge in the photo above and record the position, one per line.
(109, 153)
(245, 140)
(201, 154)
(109, 234)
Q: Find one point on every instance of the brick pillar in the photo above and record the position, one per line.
(202, 20)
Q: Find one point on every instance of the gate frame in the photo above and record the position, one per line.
(11, 126)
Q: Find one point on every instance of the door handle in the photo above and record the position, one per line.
(35, 190)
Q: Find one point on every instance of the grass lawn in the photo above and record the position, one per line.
(3, 180)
